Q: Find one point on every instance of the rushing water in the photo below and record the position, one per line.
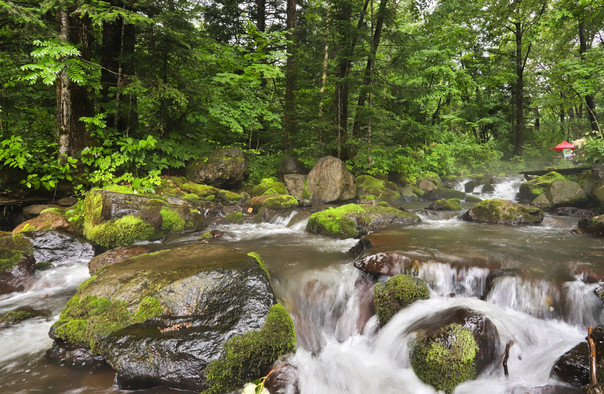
(540, 302)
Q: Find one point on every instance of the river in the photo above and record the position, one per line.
(340, 350)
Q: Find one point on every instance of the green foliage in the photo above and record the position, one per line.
(249, 356)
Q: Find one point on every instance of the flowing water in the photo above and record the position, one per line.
(538, 301)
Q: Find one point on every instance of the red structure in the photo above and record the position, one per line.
(564, 145)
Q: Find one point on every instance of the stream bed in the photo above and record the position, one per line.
(545, 308)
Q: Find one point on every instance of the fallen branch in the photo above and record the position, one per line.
(506, 357)
(592, 357)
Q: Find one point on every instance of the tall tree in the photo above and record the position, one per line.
(290, 123)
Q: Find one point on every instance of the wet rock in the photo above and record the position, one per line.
(17, 263)
(46, 221)
(283, 380)
(360, 247)
(290, 165)
(425, 185)
(57, 246)
(494, 275)
(488, 188)
(497, 211)
(575, 212)
(223, 168)
(67, 201)
(370, 188)
(116, 255)
(397, 293)
(471, 185)
(384, 263)
(330, 181)
(18, 315)
(355, 220)
(453, 346)
(550, 389)
(66, 354)
(451, 204)
(594, 225)
(162, 318)
(597, 388)
(269, 186)
(573, 366)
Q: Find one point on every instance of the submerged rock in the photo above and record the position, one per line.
(397, 293)
(594, 225)
(18, 315)
(453, 346)
(497, 211)
(17, 263)
(162, 318)
(573, 366)
(354, 220)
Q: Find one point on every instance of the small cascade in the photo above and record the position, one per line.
(446, 281)
(583, 306)
(505, 188)
(537, 298)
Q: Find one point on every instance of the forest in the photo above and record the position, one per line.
(99, 92)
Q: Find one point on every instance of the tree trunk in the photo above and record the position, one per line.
(519, 103)
(590, 101)
(368, 76)
(73, 100)
(290, 122)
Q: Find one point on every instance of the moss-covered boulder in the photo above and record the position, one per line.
(534, 188)
(269, 186)
(17, 263)
(452, 347)
(223, 168)
(46, 221)
(162, 318)
(561, 193)
(355, 220)
(397, 293)
(451, 204)
(115, 219)
(497, 211)
(443, 193)
(370, 188)
(273, 201)
(118, 255)
(330, 181)
(593, 225)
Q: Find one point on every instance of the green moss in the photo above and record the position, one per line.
(534, 188)
(451, 204)
(85, 284)
(281, 201)
(171, 220)
(85, 320)
(370, 188)
(234, 217)
(9, 258)
(505, 212)
(397, 293)
(256, 257)
(18, 315)
(43, 266)
(269, 186)
(418, 192)
(119, 232)
(446, 360)
(211, 193)
(249, 356)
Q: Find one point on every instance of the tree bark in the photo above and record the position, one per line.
(590, 101)
(519, 102)
(368, 76)
(73, 100)
(290, 122)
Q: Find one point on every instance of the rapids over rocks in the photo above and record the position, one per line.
(537, 285)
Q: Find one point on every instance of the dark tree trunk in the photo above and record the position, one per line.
(519, 102)
(590, 101)
(73, 100)
(368, 76)
(290, 122)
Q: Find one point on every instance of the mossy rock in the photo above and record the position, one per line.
(451, 204)
(210, 193)
(115, 219)
(473, 199)
(446, 360)
(355, 220)
(497, 211)
(370, 188)
(273, 201)
(269, 186)
(48, 220)
(13, 249)
(234, 217)
(397, 293)
(21, 314)
(532, 189)
(250, 356)
(443, 193)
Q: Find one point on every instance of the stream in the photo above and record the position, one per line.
(340, 349)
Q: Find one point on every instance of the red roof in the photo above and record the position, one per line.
(564, 145)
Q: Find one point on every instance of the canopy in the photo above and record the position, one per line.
(564, 145)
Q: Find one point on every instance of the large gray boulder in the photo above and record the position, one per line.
(330, 181)
(297, 185)
(223, 168)
(16, 262)
(561, 193)
(165, 318)
(290, 165)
